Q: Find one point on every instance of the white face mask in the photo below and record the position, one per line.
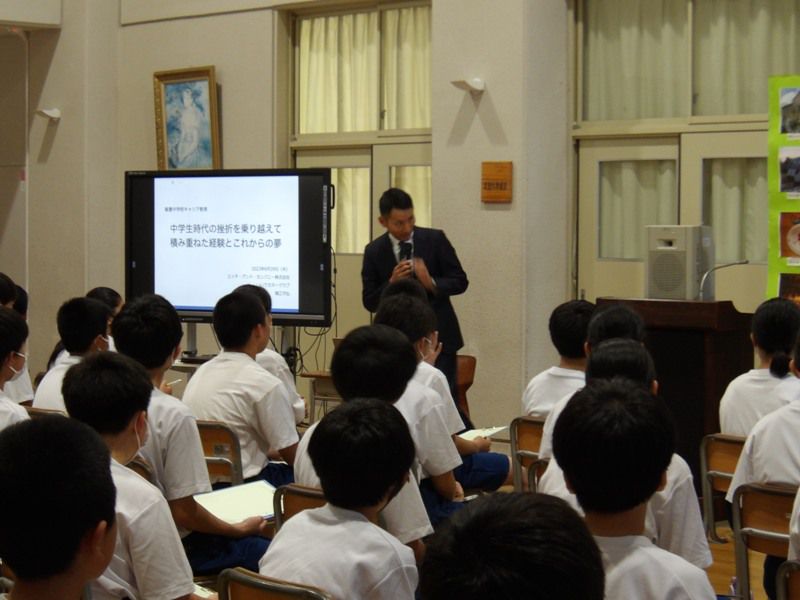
(17, 374)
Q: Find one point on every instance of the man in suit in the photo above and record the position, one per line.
(425, 254)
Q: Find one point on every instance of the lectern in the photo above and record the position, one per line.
(697, 348)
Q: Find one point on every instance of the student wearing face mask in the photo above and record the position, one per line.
(13, 333)
(111, 393)
(83, 327)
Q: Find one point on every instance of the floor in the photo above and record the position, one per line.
(724, 567)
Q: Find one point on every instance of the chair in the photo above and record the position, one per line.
(788, 583)
(143, 468)
(719, 454)
(465, 377)
(535, 472)
(222, 452)
(761, 514)
(241, 584)
(293, 498)
(526, 437)
(43, 412)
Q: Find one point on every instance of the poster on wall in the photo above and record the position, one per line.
(783, 168)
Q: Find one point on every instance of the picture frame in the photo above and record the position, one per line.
(187, 119)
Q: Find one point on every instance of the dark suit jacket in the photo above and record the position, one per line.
(432, 246)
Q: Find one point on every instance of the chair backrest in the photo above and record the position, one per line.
(222, 452)
(142, 467)
(719, 454)
(465, 377)
(761, 514)
(241, 584)
(293, 498)
(42, 412)
(788, 580)
(526, 437)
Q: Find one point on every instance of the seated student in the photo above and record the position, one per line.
(362, 452)
(83, 327)
(148, 330)
(110, 393)
(515, 545)
(375, 362)
(756, 393)
(568, 324)
(614, 441)
(673, 521)
(13, 334)
(234, 389)
(67, 479)
(273, 361)
(8, 291)
(20, 390)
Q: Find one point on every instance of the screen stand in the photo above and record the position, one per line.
(190, 354)
(288, 347)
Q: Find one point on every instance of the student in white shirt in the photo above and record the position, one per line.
(568, 326)
(516, 545)
(148, 330)
(273, 361)
(362, 452)
(83, 324)
(234, 389)
(13, 334)
(614, 441)
(375, 362)
(59, 532)
(110, 393)
(754, 394)
(480, 468)
(20, 390)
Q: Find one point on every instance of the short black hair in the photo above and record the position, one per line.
(80, 321)
(614, 321)
(13, 332)
(414, 317)
(108, 296)
(568, 325)
(259, 292)
(775, 326)
(373, 361)
(620, 357)
(106, 390)
(361, 451)
(235, 317)
(147, 329)
(8, 289)
(614, 441)
(394, 198)
(56, 481)
(516, 545)
(407, 286)
(21, 301)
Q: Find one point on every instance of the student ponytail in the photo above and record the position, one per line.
(776, 323)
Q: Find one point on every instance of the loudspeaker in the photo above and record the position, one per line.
(677, 258)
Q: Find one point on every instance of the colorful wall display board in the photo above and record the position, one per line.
(783, 169)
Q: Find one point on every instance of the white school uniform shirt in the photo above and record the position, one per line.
(174, 450)
(21, 389)
(673, 520)
(635, 568)
(771, 453)
(423, 411)
(548, 387)
(752, 396)
(10, 411)
(149, 562)
(232, 388)
(342, 553)
(404, 517)
(275, 363)
(48, 394)
(434, 379)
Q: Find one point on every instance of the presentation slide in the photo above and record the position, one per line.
(205, 247)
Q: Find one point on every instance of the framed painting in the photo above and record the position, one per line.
(187, 121)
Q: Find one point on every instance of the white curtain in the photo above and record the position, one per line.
(351, 218)
(634, 194)
(735, 205)
(738, 45)
(416, 180)
(635, 59)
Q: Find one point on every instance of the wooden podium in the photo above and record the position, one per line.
(697, 348)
